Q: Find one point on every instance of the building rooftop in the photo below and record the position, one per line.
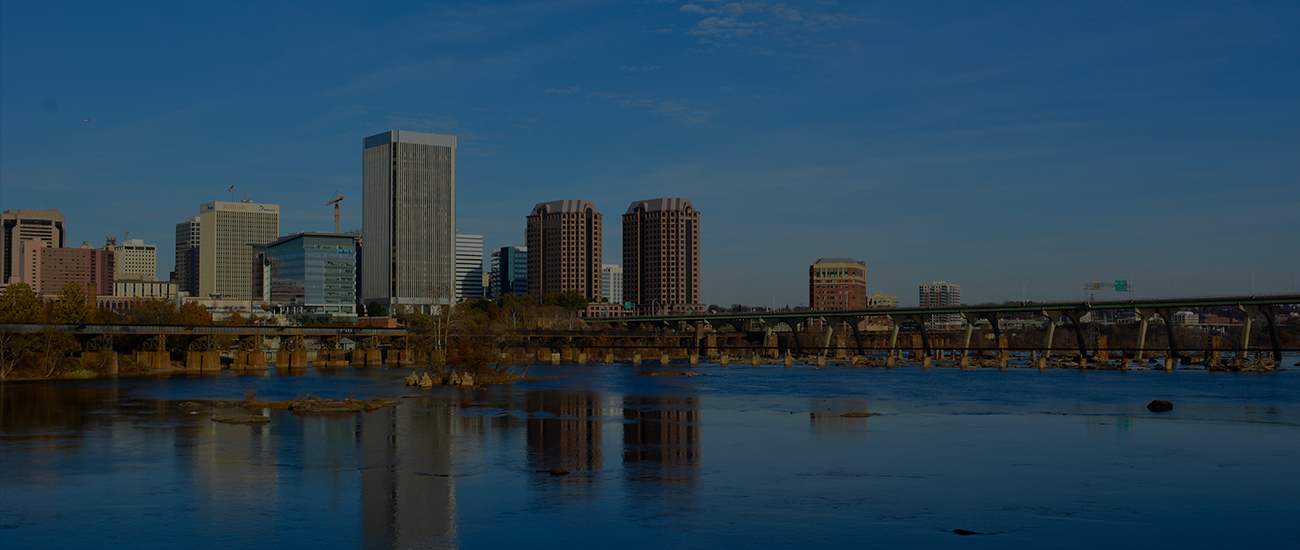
(661, 205)
(571, 205)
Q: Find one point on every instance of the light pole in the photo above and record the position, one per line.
(1022, 293)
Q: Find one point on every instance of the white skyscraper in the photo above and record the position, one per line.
(408, 184)
(941, 294)
(611, 283)
(469, 266)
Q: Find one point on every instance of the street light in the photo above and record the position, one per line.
(1252, 283)
(1022, 293)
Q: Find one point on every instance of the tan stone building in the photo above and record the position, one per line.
(25, 225)
(564, 248)
(661, 256)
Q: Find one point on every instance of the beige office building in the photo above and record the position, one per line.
(661, 256)
(136, 261)
(564, 248)
(227, 231)
(25, 225)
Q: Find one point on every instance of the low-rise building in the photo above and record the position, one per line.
(47, 269)
(307, 273)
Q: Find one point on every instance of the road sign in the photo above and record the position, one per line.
(1121, 286)
(627, 305)
(1092, 286)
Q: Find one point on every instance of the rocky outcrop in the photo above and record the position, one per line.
(249, 419)
(1160, 405)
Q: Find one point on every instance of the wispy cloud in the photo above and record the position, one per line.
(681, 111)
(726, 20)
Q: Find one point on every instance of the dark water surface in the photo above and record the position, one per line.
(730, 458)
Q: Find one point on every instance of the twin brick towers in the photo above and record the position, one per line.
(409, 227)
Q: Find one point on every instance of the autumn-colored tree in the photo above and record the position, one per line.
(235, 320)
(193, 313)
(157, 311)
(71, 306)
(18, 304)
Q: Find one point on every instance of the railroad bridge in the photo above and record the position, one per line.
(744, 336)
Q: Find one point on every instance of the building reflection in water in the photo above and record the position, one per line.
(409, 471)
(564, 431)
(661, 454)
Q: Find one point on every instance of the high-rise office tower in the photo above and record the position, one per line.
(227, 233)
(661, 256)
(408, 185)
(509, 271)
(469, 266)
(837, 284)
(136, 261)
(611, 283)
(186, 275)
(25, 225)
(564, 248)
(941, 294)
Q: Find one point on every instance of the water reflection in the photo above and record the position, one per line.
(564, 431)
(661, 457)
(103, 463)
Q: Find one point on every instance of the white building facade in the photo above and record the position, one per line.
(611, 283)
(136, 261)
(469, 267)
(942, 294)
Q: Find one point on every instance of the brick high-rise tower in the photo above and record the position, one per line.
(661, 256)
(564, 249)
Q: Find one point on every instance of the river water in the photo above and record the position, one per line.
(734, 457)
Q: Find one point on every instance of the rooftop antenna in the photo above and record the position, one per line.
(337, 199)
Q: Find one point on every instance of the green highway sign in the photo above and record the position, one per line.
(1121, 286)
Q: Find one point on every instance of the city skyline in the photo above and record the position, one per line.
(1019, 150)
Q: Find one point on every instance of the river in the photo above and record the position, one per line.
(732, 457)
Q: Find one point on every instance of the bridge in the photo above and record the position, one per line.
(709, 335)
(1145, 310)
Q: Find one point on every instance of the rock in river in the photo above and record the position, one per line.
(1160, 405)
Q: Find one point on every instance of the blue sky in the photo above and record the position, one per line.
(1005, 147)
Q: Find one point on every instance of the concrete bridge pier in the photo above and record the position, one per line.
(609, 358)
(1270, 316)
(636, 358)
(893, 340)
(1143, 319)
(1171, 333)
(249, 360)
(206, 361)
(724, 359)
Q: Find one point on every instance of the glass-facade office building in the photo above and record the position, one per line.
(509, 271)
(309, 273)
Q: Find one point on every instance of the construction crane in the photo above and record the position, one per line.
(337, 198)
